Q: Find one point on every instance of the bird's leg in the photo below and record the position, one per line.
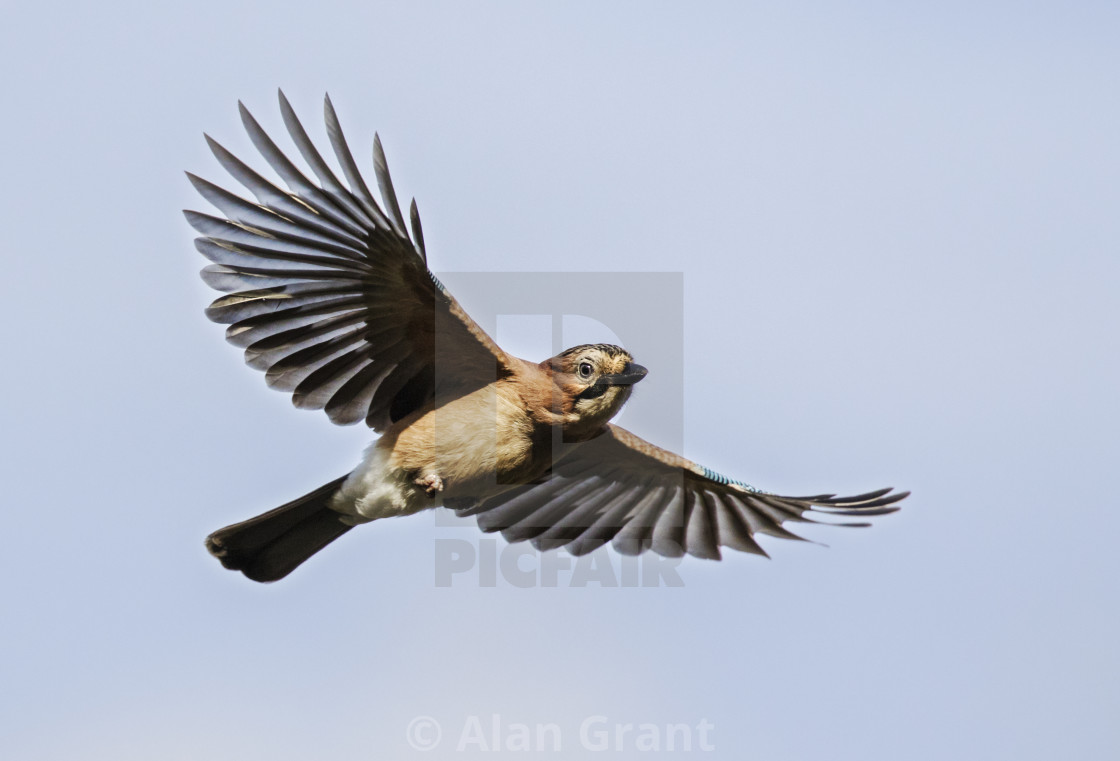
(431, 483)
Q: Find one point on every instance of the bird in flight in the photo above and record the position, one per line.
(328, 292)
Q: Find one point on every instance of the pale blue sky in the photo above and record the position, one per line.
(899, 235)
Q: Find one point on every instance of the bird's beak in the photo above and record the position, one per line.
(630, 375)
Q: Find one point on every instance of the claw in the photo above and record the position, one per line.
(431, 483)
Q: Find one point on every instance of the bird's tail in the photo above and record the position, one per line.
(273, 544)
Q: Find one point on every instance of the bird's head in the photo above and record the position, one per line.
(593, 381)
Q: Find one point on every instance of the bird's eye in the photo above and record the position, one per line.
(585, 369)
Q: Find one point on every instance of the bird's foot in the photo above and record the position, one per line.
(431, 483)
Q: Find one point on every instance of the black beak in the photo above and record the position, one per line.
(630, 375)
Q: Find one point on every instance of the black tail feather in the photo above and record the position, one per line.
(271, 545)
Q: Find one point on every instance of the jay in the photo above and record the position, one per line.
(329, 293)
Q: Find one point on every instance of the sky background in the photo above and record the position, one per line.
(899, 238)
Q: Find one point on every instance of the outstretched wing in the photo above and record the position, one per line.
(327, 292)
(621, 489)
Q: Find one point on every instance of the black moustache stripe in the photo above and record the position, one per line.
(594, 392)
